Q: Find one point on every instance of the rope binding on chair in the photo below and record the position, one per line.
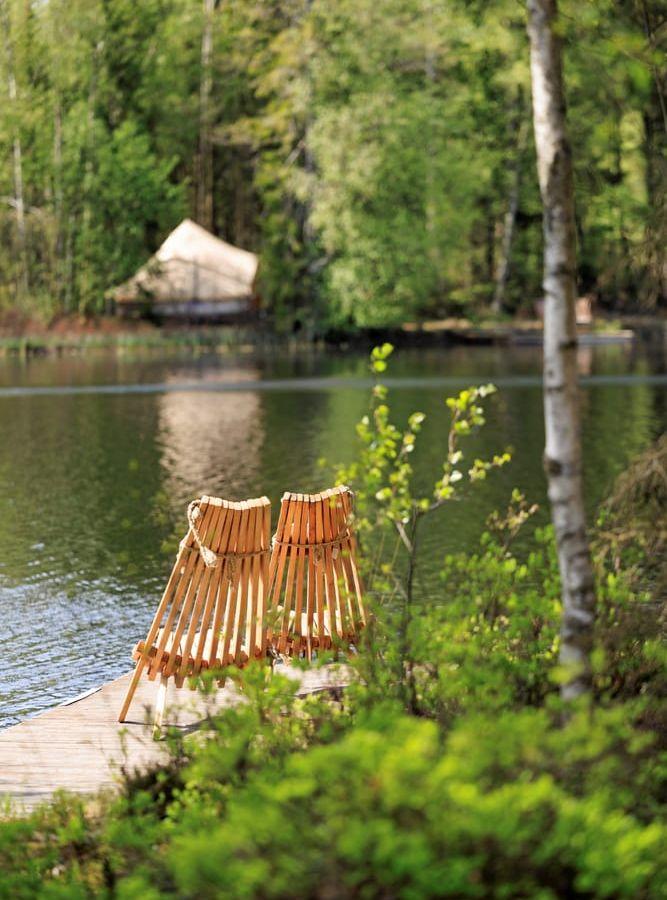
(211, 559)
(316, 546)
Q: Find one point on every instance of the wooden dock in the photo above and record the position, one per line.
(80, 746)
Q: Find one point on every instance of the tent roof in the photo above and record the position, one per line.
(192, 264)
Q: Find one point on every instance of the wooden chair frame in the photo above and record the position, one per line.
(212, 612)
(315, 594)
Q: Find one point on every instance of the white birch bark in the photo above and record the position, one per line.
(504, 266)
(83, 286)
(17, 153)
(503, 274)
(58, 191)
(205, 161)
(562, 455)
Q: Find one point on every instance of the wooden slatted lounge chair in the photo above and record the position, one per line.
(212, 613)
(315, 596)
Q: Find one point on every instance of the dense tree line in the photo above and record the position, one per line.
(378, 154)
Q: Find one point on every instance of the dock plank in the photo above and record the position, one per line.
(80, 747)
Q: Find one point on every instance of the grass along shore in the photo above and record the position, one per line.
(75, 335)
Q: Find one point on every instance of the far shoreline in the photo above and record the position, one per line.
(77, 335)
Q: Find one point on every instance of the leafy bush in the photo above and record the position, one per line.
(632, 525)
(448, 768)
(389, 811)
(507, 805)
(489, 641)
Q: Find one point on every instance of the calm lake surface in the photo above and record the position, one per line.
(100, 454)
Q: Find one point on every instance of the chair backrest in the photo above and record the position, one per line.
(212, 612)
(315, 595)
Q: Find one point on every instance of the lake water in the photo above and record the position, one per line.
(100, 454)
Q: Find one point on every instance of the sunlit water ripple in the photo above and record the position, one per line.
(100, 454)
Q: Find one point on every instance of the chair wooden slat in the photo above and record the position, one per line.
(350, 558)
(320, 579)
(192, 574)
(246, 534)
(315, 591)
(196, 618)
(311, 597)
(302, 537)
(219, 599)
(214, 583)
(278, 557)
(227, 602)
(212, 612)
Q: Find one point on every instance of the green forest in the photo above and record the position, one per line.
(377, 154)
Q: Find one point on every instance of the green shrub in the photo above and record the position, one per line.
(509, 806)
(446, 770)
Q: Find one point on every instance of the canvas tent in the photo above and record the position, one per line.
(193, 274)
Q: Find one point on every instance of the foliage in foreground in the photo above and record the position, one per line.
(351, 802)
(447, 770)
(482, 793)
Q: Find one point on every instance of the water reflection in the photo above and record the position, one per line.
(209, 443)
(93, 486)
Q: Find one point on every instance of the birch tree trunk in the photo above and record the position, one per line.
(56, 273)
(503, 272)
(655, 129)
(17, 153)
(204, 198)
(562, 455)
(84, 287)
